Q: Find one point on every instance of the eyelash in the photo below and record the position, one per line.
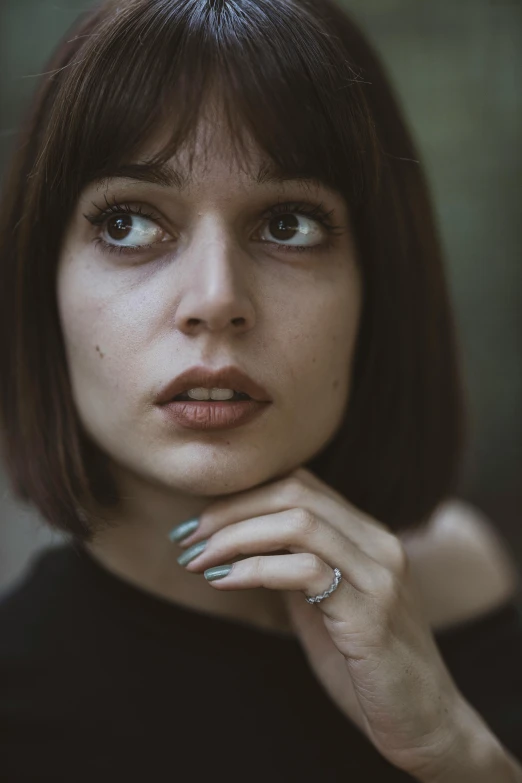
(316, 212)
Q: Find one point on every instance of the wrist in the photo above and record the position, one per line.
(475, 755)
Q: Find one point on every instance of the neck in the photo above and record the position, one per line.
(135, 546)
(147, 558)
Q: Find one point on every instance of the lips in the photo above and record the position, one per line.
(229, 377)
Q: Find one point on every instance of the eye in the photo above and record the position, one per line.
(294, 230)
(298, 226)
(132, 230)
(289, 227)
(126, 229)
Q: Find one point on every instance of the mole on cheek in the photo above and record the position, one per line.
(100, 352)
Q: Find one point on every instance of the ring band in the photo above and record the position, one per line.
(316, 598)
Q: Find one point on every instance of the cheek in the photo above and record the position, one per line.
(326, 333)
(98, 336)
(85, 324)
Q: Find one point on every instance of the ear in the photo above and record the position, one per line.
(461, 564)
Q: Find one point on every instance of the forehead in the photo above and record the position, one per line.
(210, 156)
(176, 176)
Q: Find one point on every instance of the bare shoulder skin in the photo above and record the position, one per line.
(462, 565)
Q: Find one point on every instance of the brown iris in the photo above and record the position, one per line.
(284, 227)
(118, 227)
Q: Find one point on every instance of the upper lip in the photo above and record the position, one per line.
(229, 377)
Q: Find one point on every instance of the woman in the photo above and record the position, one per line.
(229, 374)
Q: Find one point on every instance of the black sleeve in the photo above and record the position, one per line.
(484, 657)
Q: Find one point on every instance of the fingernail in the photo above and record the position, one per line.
(180, 532)
(218, 572)
(192, 552)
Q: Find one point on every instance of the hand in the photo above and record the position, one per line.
(368, 642)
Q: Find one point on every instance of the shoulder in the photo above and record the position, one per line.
(460, 564)
(36, 608)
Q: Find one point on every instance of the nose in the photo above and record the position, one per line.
(216, 286)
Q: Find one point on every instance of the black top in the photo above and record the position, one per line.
(101, 680)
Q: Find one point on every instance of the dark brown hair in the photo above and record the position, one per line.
(301, 79)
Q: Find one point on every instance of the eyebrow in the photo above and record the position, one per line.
(168, 177)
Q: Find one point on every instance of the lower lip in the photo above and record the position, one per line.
(213, 415)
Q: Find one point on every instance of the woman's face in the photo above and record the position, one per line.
(220, 284)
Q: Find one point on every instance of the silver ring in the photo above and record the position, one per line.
(316, 598)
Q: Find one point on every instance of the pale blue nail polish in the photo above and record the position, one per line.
(180, 532)
(192, 552)
(217, 572)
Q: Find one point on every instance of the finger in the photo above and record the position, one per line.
(314, 482)
(303, 571)
(297, 531)
(374, 540)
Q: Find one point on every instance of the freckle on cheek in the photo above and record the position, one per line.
(100, 352)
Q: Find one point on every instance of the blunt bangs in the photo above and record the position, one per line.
(283, 81)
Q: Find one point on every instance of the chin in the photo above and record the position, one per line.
(206, 477)
(201, 470)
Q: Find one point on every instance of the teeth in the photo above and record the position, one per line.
(211, 394)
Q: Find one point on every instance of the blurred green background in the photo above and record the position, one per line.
(456, 65)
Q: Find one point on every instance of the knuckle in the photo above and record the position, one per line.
(397, 558)
(305, 522)
(313, 565)
(257, 564)
(293, 491)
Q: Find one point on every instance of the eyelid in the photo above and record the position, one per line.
(116, 207)
(314, 211)
(122, 203)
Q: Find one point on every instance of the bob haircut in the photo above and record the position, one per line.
(300, 79)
